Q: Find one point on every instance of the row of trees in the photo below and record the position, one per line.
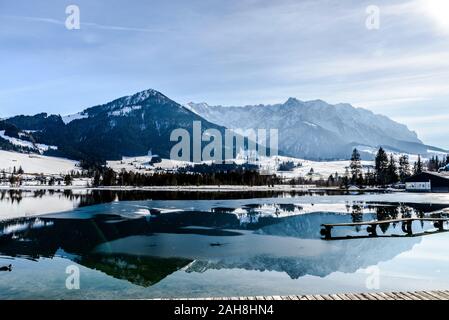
(16, 178)
(387, 170)
(435, 164)
(129, 178)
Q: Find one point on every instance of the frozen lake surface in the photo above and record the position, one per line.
(150, 245)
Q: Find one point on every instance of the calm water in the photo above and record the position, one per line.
(148, 245)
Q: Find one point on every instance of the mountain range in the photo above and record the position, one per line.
(128, 126)
(133, 125)
(318, 130)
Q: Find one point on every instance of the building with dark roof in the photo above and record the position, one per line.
(428, 182)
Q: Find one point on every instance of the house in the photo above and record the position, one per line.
(154, 158)
(428, 182)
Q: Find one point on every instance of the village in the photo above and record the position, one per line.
(424, 175)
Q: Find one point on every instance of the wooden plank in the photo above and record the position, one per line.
(369, 296)
(443, 294)
(437, 295)
(293, 297)
(351, 296)
(302, 298)
(434, 295)
(424, 293)
(359, 296)
(385, 296)
(326, 297)
(343, 296)
(377, 296)
(311, 297)
(419, 294)
(335, 297)
(402, 296)
(410, 296)
(414, 296)
(391, 295)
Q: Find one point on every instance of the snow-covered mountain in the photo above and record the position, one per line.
(128, 126)
(133, 125)
(316, 129)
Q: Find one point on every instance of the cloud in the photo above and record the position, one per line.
(231, 52)
(83, 24)
(432, 119)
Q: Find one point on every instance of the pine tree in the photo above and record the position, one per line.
(356, 167)
(392, 175)
(68, 180)
(404, 168)
(418, 168)
(381, 166)
(97, 177)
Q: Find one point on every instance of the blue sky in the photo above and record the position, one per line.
(230, 52)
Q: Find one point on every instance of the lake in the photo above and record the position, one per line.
(141, 244)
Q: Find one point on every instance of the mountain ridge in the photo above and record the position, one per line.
(128, 126)
(316, 129)
(134, 124)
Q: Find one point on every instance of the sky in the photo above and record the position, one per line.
(230, 52)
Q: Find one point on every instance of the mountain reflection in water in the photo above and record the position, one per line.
(143, 249)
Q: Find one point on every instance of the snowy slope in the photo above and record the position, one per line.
(315, 129)
(73, 117)
(35, 164)
(140, 164)
(39, 147)
(322, 170)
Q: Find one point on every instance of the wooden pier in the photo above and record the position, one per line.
(372, 226)
(415, 295)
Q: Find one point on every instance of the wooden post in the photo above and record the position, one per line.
(326, 232)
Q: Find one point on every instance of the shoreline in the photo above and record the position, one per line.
(204, 188)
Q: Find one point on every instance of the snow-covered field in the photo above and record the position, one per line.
(321, 169)
(140, 164)
(39, 164)
(35, 164)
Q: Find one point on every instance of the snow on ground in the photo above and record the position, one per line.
(73, 117)
(124, 111)
(321, 169)
(303, 169)
(28, 144)
(141, 164)
(35, 164)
